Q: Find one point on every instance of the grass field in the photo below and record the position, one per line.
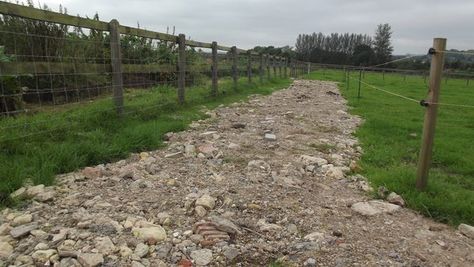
(391, 139)
(38, 147)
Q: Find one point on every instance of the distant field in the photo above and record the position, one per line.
(38, 147)
(391, 138)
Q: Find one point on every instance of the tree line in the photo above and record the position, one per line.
(346, 48)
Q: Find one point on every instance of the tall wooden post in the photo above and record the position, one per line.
(280, 72)
(181, 67)
(286, 67)
(267, 63)
(274, 61)
(360, 81)
(214, 90)
(309, 67)
(293, 68)
(235, 77)
(116, 62)
(436, 71)
(249, 66)
(260, 68)
(348, 79)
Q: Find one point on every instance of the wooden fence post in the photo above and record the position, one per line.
(214, 90)
(280, 73)
(260, 68)
(274, 60)
(348, 79)
(267, 63)
(309, 67)
(436, 71)
(293, 68)
(286, 67)
(360, 81)
(181, 67)
(116, 62)
(249, 66)
(235, 78)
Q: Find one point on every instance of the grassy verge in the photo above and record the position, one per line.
(40, 146)
(391, 138)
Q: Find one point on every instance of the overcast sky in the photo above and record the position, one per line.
(247, 23)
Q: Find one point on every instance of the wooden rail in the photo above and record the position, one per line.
(34, 68)
(116, 68)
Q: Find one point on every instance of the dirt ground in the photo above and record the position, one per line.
(258, 182)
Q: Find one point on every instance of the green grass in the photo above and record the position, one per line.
(391, 139)
(60, 141)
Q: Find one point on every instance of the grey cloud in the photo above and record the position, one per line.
(249, 23)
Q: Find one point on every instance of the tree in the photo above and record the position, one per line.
(363, 55)
(335, 48)
(382, 43)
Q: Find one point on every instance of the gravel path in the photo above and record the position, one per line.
(260, 181)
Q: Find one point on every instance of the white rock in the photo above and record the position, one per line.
(5, 228)
(104, 245)
(43, 256)
(174, 155)
(189, 150)
(268, 227)
(310, 262)
(335, 172)
(202, 257)
(59, 237)
(310, 160)
(315, 237)
(22, 230)
(206, 201)
(233, 146)
(45, 196)
(90, 259)
(225, 225)
(5, 250)
(22, 219)
(141, 250)
(19, 193)
(125, 251)
(69, 262)
(35, 190)
(137, 264)
(41, 246)
(200, 211)
(150, 234)
(24, 260)
(270, 137)
(230, 253)
(396, 199)
(466, 230)
(374, 207)
(258, 165)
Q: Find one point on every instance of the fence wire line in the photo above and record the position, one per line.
(93, 100)
(392, 61)
(457, 52)
(451, 105)
(412, 99)
(386, 91)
